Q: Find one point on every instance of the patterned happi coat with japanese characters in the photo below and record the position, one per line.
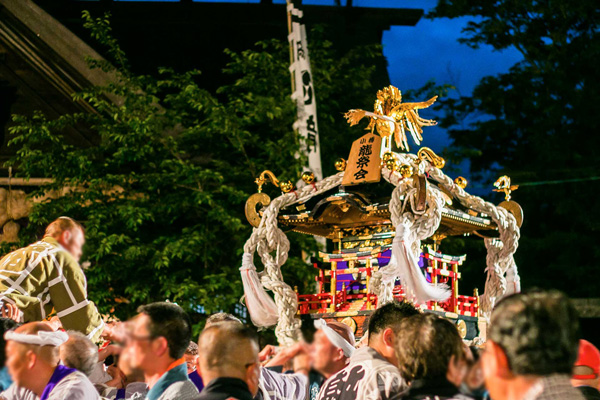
(368, 376)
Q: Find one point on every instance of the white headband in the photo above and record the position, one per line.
(42, 338)
(335, 338)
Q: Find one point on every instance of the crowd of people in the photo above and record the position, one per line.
(532, 351)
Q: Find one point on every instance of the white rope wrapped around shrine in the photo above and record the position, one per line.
(502, 274)
(272, 246)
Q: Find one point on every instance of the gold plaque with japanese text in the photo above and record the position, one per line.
(364, 162)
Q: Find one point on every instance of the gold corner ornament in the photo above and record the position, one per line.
(425, 153)
(503, 184)
(461, 182)
(391, 117)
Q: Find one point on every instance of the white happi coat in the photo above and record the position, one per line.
(368, 377)
(75, 386)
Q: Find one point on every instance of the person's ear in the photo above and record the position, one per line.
(161, 346)
(31, 358)
(66, 236)
(388, 337)
(339, 355)
(499, 359)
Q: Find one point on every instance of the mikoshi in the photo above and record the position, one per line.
(385, 215)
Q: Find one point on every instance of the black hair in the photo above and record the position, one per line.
(171, 322)
(6, 324)
(390, 315)
(538, 331)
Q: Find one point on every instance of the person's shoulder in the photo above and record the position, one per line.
(15, 392)
(76, 380)
(558, 387)
(590, 393)
(181, 390)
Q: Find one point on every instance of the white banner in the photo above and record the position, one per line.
(303, 90)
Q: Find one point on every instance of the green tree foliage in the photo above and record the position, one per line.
(538, 122)
(162, 192)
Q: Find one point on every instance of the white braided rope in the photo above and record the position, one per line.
(500, 257)
(272, 246)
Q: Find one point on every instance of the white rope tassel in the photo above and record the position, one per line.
(261, 307)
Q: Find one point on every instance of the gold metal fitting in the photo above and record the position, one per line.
(388, 156)
(308, 177)
(406, 170)
(264, 177)
(461, 182)
(340, 164)
(391, 164)
(286, 187)
(503, 185)
(425, 153)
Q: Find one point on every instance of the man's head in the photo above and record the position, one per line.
(69, 233)
(384, 323)
(27, 362)
(191, 357)
(79, 352)
(531, 334)
(586, 371)
(221, 317)
(430, 348)
(160, 334)
(229, 350)
(332, 347)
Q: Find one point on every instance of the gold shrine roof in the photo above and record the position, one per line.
(362, 212)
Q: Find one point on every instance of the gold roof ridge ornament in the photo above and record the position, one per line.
(425, 153)
(391, 117)
(503, 185)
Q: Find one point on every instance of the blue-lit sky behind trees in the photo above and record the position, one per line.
(428, 51)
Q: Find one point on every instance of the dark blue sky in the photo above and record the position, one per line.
(429, 51)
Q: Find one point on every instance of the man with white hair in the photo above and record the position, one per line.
(79, 353)
(32, 352)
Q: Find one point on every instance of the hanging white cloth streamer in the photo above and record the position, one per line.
(42, 338)
(335, 338)
(261, 307)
